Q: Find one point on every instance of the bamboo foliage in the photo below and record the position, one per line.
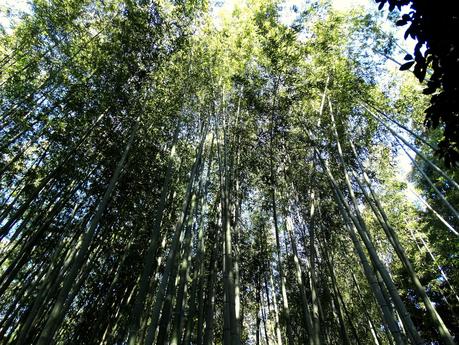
(171, 175)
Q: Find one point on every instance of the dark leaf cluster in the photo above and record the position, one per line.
(434, 25)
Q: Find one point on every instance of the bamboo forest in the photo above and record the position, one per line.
(258, 172)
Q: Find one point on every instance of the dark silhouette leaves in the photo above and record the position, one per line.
(435, 25)
(406, 66)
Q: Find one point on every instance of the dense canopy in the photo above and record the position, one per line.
(184, 172)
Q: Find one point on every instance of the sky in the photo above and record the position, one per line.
(349, 4)
(13, 6)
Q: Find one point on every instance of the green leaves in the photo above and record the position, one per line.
(83, 72)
